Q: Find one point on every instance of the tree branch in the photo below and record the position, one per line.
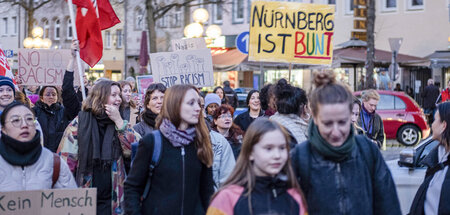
(15, 2)
(41, 4)
(160, 12)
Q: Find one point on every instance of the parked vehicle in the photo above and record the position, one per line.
(408, 172)
(403, 118)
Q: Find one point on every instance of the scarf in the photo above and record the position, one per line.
(336, 154)
(49, 109)
(367, 120)
(270, 112)
(19, 153)
(97, 143)
(176, 137)
(149, 117)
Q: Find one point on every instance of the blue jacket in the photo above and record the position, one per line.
(361, 184)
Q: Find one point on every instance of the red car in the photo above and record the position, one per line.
(402, 117)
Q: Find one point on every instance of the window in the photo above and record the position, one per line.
(389, 5)
(386, 102)
(331, 1)
(177, 17)
(119, 37)
(139, 19)
(415, 4)
(5, 26)
(69, 29)
(57, 29)
(399, 104)
(107, 39)
(46, 29)
(349, 7)
(238, 11)
(14, 27)
(163, 21)
(217, 13)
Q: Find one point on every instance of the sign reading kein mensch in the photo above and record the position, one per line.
(291, 32)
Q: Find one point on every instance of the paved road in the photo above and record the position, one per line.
(393, 150)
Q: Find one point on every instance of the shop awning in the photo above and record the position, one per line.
(440, 59)
(226, 59)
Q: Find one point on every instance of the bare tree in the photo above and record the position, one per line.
(370, 44)
(30, 6)
(156, 10)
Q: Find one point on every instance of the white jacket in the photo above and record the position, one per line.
(224, 161)
(36, 176)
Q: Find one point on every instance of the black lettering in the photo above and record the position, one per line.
(310, 21)
(46, 197)
(1, 206)
(201, 77)
(259, 43)
(88, 198)
(291, 20)
(329, 24)
(301, 18)
(11, 205)
(67, 199)
(319, 20)
(26, 201)
(58, 202)
(273, 44)
(265, 20)
(257, 15)
(278, 17)
(284, 41)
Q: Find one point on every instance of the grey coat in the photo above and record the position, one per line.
(143, 128)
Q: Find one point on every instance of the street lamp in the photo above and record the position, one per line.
(37, 41)
(195, 29)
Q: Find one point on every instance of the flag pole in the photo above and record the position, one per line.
(75, 36)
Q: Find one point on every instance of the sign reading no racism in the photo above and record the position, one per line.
(291, 32)
(56, 201)
(183, 67)
(44, 66)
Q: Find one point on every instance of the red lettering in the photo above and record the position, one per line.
(329, 35)
(301, 42)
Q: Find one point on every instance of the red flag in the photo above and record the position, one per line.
(5, 69)
(89, 33)
(107, 16)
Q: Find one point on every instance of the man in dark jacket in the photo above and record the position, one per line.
(230, 94)
(430, 94)
(369, 120)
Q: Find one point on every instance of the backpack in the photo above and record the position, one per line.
(156, 157)
(304, 160)
(56, 169)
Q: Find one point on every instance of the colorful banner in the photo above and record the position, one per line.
(56, 201)
(291, 32)
(143, 82)
(41, 67)
(183, 67)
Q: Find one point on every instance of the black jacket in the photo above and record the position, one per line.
(377, 132)
(244, 120)
(177, 187)
(53, 121)
(417, 207)
(232, 96)
(430, 95)
(361, 184)
(71, 100)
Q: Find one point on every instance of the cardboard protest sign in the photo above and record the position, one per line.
(183, 67)
(143, 82)
(291, 32)
(40, 67)
(56, 201)
(188, 44)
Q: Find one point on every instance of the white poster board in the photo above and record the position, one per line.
(188, 44)
(41, 67)
(183, 67)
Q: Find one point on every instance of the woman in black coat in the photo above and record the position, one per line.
(254, 111)
(433, 196)
(51, 116)
(182, 181)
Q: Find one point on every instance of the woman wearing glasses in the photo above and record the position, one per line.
(223, 123)
(24, 163)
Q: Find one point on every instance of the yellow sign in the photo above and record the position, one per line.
(291, 32)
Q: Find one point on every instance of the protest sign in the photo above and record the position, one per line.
(56, 201)
(40, 67)
(143, 82)
(188, 44)
(183, 67)
(291, 32)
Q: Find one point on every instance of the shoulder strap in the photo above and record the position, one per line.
(304, 165)
(366, 152)
(156, 157)
(56, 168)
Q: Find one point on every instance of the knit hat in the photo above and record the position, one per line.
(7, 81)
(212, 98)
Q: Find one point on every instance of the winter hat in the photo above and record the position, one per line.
(212, 98)
(7, 81)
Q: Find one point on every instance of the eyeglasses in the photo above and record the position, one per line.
(16, 121)
(223, 116)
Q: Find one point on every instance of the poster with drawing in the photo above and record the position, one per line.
(183, 67)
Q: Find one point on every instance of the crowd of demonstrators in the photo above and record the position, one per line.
(334, 153)
(268, 100)
(153, 100)
(182, 182)
(254, 111)
(128, 109)
(95, 144)
(290, 102)
(32, 93)
(224, 159)
(219, 91)
(369, 120)
(430, 96)
(223, 123)
(51, 116)
(433, 196)
(24, 163)
(356, 111)
(212, 102)
(263, 181)
(445, 94)
(230, 95)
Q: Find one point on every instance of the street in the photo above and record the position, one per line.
(393, 149)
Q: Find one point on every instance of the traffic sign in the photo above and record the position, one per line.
(242, 42)
(8, 53)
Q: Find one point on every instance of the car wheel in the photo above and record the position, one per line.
(409, 135)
